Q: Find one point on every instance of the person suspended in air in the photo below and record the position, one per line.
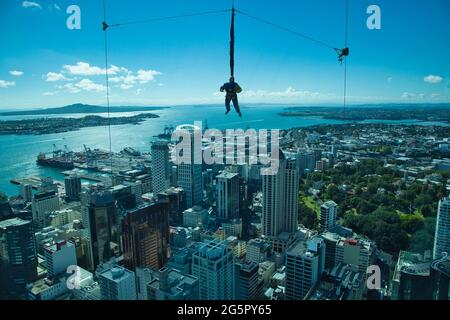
(343, 53)
(232, 89)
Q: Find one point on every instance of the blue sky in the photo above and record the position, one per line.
(44, 64)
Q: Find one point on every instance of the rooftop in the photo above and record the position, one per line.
(227, 175)
(12, 222)
(116, 273)
(176, 281)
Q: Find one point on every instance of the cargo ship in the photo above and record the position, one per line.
(60, 163)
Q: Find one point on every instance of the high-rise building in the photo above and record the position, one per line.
(213, 265)
(58, 256)
(176, 197)
(117, 283)
(171, 284)
(258, 250)
(305, 262)
(411, 279)
(100, 219)
(143, 277)
(292, 181)
(145, 236)
(190, 172)
(247, 281)
(160, 166)
(358, 253)
(280, 199)
(331, 241)
(123, 197)
(47, 184)
(18, 256)
(228, 195)
(72, 185)
(328, 215)
(26, 192)
(233, 228)
(136, 190)
(43, 203)
(440, 278)
(442, 235)
(194, 216)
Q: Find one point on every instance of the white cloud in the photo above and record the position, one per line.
(145, 76)
(53, 76)
(130, 79)
(123, 78)
(408, 95)
(70, 87)
(48, 93)
(6, 84)
(124, 86)
(85, 69)
(288, 93)
(435, 95)
(87, 85)
(56, 7)
(389, 79)
(31, 4)
(16, 73)
(433, 79)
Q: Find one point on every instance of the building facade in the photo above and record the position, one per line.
(117, 283)
(213, 265)
(145, 236)
(18, 256)
(160, 166)
(227, 195)
(442, 235)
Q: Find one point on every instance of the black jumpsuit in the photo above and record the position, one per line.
(231, 88)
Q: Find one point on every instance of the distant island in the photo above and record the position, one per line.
(421, 112)
(57, 125)
(80, 108)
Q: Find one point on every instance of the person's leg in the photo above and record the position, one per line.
(227, 104)
(236, 105)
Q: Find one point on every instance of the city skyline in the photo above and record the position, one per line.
(329, 181)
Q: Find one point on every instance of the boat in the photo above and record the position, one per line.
(42, 160)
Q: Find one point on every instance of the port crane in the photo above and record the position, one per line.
(91, 158)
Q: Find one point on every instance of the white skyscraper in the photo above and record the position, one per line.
(442, 236)
(213, 265)
(117, 283)
(328, 215)
(42, 204)
(160, 166)
(190, 174)
(280, 198)
(305, 262)
(228, 195)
